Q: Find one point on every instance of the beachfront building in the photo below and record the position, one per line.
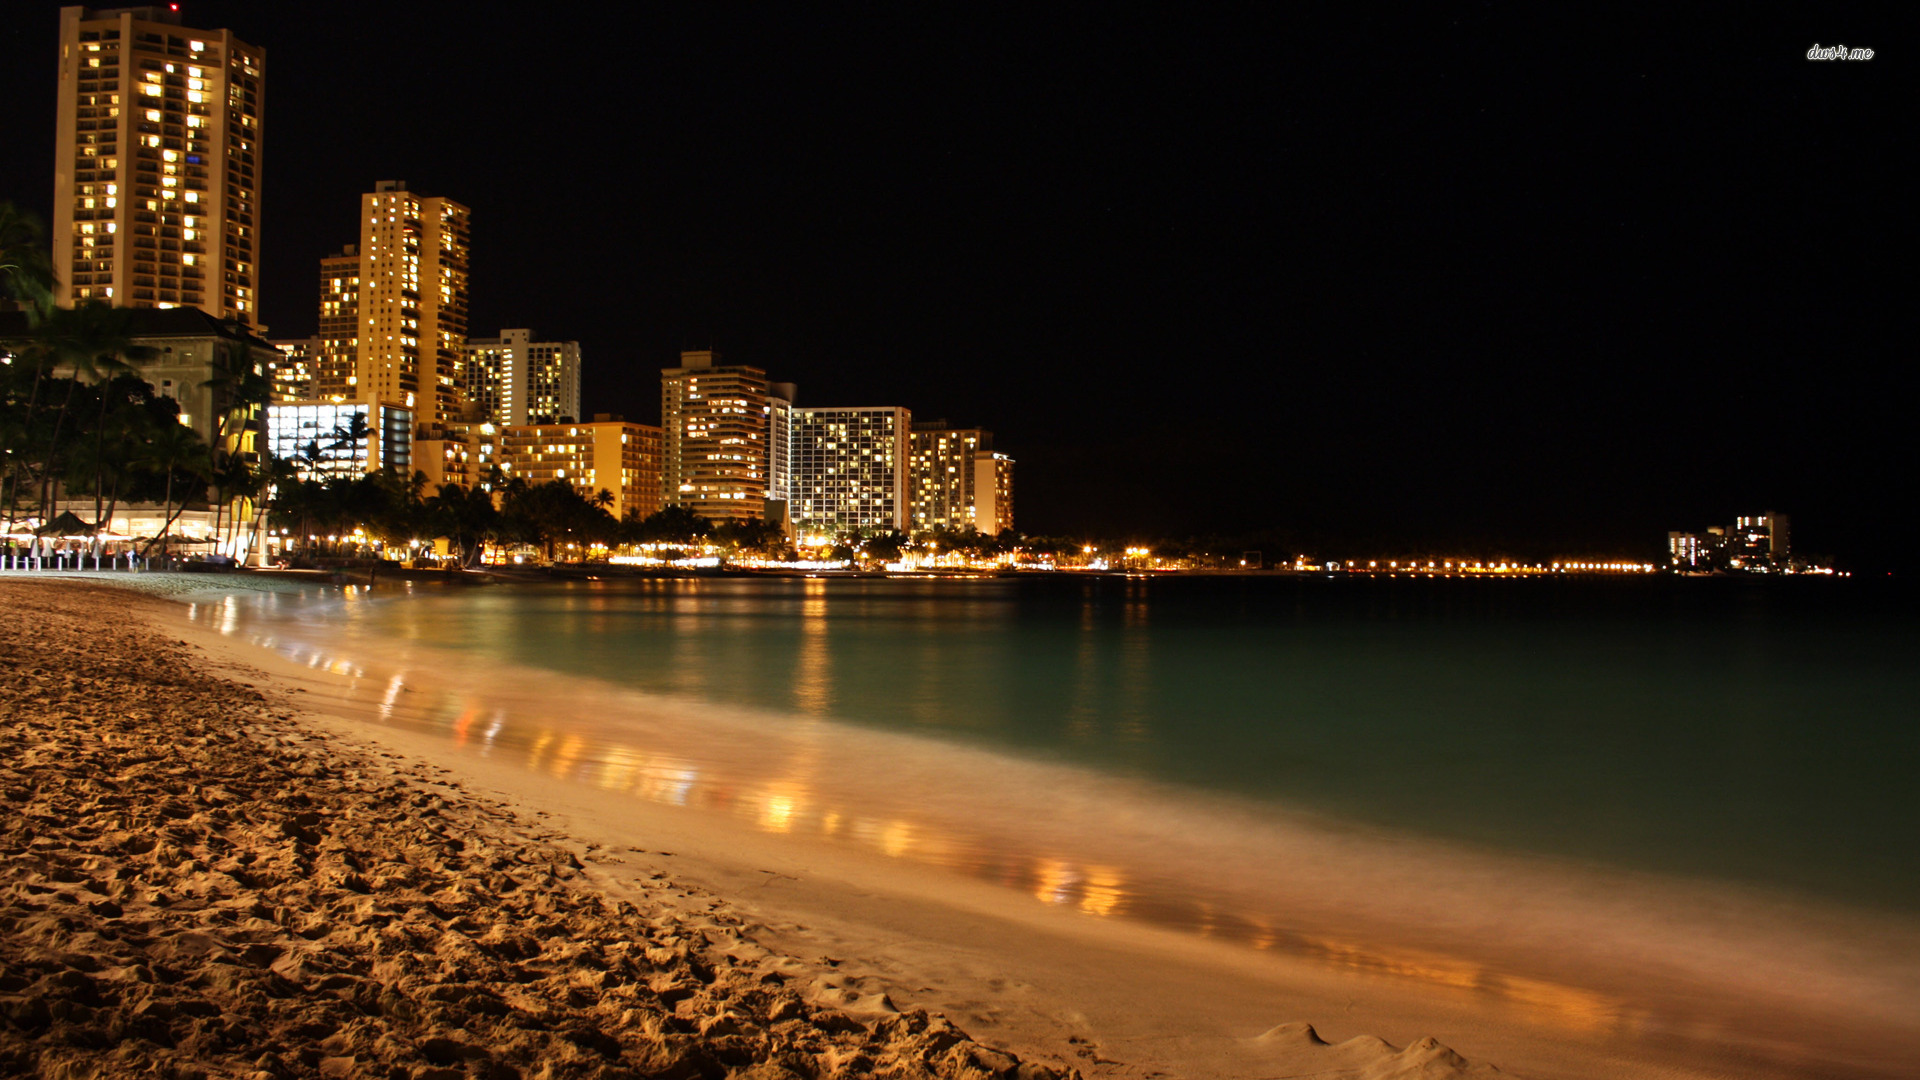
(193, 361)
(992, 493)
(156, 180)
(941, 474)
(714, 419)
(404, 290)
(1760, 543)
(850, 468)
(516, 380)
(326, 438)
(607, 454)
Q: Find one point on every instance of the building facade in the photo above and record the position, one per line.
(942, 474)
(157, 163)
(194, 360)
(326, 438)
(992, 493)
(607, 454)
(714, 455)
(334, 377)
(518, 380)
(292, 371)
(850, 468)
(411, 302)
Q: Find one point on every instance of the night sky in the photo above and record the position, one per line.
(1492, 279)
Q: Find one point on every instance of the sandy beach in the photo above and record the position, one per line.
(216, 866)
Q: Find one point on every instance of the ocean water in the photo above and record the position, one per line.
(1754, 732)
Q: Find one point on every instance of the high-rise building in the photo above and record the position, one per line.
(942, 474)
(412, 301)
(607, 454)
(157, 163)
(518, 380)
(780, 397)
(992, 493)
(714, 419)
(850, 469)
(291, 373)
(339, 327)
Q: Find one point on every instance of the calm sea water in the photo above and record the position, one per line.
(1760, 732)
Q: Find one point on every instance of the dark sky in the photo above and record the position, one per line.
(1492, 276)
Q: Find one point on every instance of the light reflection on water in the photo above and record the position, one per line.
(794, 777)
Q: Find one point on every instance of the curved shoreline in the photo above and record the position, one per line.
(1059, 967)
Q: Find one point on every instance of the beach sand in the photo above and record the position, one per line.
(214, 868)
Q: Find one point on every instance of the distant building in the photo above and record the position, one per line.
(850, 468)
(410, 302)
(1690, 551)
(156, 181)
(326, 438)
(714, 451)
(942, 473)
(292, 372)
(517, 380)
(1757, 544)
(606, 454)
(337, 364)
(457, 453)
(1759, 541)
(993, 493)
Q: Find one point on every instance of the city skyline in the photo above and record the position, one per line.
(1461, 281)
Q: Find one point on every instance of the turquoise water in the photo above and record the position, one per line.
(1760, 732)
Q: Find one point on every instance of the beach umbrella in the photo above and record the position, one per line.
(66, 524)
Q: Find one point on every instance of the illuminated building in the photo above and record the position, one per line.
(714, 454)
(517, 380)
(326, 438)
(293, 370)
(1759, 542)
(942, 474)
(192, 351)
(607, 454)
(1690, 551)
(458, 453)
(992, 493)
(157, 164)
(850, 468)
(339, 326)
(411, 302)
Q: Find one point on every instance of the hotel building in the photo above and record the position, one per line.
(157, 164)
(850, 468)
(339, 326)
(942, 474)
(411, 302)
(714, 455)
(992, 493)
(521, 381)
(461, 453)
(607, 454)
(292, 372)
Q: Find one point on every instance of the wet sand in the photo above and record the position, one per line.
(848, 938)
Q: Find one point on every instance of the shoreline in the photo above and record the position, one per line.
(1056, 997)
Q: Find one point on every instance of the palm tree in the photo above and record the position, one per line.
(27, 275)
(95, 339)
(466, 517)
(175, 450)
(24, 263)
